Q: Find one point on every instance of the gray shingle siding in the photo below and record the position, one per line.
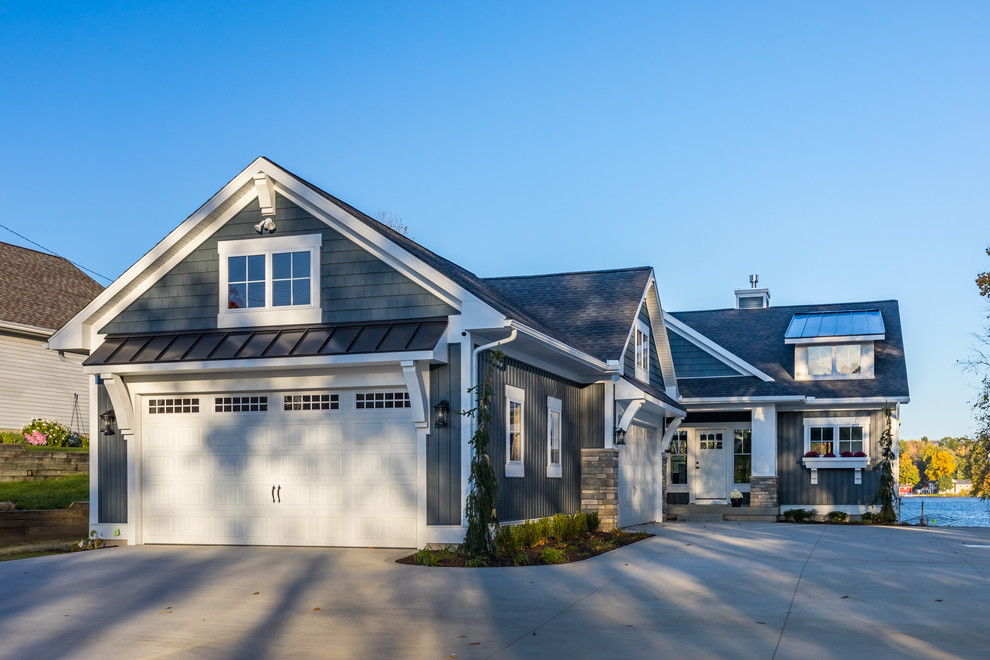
(691, 361)
(834, 486)
(356, 286)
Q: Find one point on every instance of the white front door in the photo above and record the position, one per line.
(279, 468)
(709, 465)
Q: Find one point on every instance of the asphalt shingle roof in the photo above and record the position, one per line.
(595, 309)
(757, 336)
(41, 289)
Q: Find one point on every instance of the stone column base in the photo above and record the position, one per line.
(600, 485)
(763, 492)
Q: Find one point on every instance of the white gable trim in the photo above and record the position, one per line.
(713, 349)
(659, 338)
(81, 332)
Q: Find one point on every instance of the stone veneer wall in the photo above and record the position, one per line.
(17, 463)
(600, 485)
(763, 492)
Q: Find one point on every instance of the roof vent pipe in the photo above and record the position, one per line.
(753, 279)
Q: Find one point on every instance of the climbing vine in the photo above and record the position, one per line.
(887, 487)
(479, 540)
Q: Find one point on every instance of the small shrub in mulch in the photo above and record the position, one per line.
(557, 540)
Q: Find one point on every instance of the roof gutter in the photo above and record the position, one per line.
(24, 329)
(562, 348)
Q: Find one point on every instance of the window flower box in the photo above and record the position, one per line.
(816, 463)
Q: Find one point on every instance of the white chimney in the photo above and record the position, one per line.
(752, 298)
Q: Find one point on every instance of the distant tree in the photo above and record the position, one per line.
(980, 362)
(393, 222)
(944, 483)
(940, 463)
(909, 472)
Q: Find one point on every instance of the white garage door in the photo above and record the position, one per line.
(639, 476)
(295, 468)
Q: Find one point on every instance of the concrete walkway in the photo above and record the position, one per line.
(696, 590)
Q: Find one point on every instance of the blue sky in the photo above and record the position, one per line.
(838, 149)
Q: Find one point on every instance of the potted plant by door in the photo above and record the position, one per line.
(736, 498)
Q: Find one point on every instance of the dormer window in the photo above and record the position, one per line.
(269, 281)
(834, 345)
(642, 339)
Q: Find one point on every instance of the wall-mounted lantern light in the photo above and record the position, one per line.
(441, 414)
(109, 419)
(620, 436)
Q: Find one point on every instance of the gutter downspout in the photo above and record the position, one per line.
(474, 365)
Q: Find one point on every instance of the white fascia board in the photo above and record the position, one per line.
(626, 391)
(664, 356)
(865, 400)
(24, 329)
(734, 361)
(374, 242)
(259, 364)
(791, 398)
(844, 339)
(73, 335)
(561, 347)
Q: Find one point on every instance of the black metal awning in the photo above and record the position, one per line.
(269, 342)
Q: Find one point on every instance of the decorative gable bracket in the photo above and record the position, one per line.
(265, 188)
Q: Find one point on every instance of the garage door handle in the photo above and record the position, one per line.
(273, 493)
(279, 494)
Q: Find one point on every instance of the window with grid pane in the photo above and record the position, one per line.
(678, 458)
(742, 463)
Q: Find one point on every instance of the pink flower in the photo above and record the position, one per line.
(36, 438)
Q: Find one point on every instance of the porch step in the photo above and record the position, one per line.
(720, 512)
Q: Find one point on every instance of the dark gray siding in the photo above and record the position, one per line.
(111, 468)
(690, 361)
(535, 495)
(443, 446)
(656, 377)
(591, 418)
(834, 486)
(356, 286)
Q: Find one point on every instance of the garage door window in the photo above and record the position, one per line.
(226, 404)
(381, 400)
(311, 402)
(173, 406)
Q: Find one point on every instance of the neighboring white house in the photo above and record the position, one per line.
(40, 292)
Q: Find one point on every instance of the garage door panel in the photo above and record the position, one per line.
(347, 477)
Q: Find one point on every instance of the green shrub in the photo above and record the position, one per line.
(868, 517)
(800, 515)
(521, 559)
(426, 558)
(12, 438)
(477, 562)
(592, 521)
(836, 517)
(552, 556)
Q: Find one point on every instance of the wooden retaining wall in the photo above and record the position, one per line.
(27, 526)
(17, 463)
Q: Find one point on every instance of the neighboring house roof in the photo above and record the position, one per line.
(594, 308)
(243, 343)
(40, 289)
(757, 336)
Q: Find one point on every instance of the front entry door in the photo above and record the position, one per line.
(709, 465)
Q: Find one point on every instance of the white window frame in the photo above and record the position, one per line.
(641, 347)
(835, 423)
(553, 469)
(517, 395)
(801, 371)
(269, 314)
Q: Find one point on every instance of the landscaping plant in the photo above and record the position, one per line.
(887, 488)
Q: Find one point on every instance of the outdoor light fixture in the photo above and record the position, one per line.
(620, 436)
(441, 414)
(268, 224)
(108, 418)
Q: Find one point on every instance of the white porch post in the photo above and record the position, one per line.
(765, 440)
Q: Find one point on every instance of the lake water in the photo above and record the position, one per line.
(947, 511)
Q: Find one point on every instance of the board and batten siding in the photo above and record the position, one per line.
(692, 361)
(39, 383)
(443, 445)
(656, 377)
(355, 285)
(836, 487)
(111, 468)
(535, 495)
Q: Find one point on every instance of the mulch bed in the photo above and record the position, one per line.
(585, 546)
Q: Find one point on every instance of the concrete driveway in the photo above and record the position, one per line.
(696, 590)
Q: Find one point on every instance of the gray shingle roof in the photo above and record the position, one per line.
(757, 336)
(595, 309)
(41, 289)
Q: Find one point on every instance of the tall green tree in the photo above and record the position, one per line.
(887, 487)
(980, 454)
(479, 538)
